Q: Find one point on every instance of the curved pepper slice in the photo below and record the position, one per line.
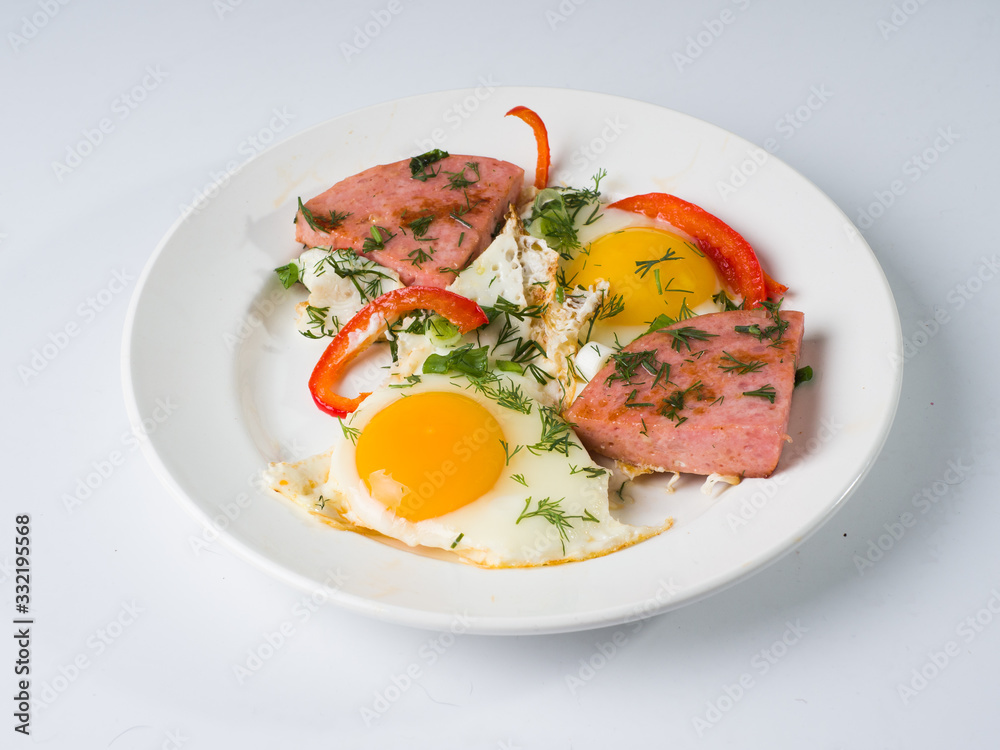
(372, 321)
(732, 255)
(541, 138)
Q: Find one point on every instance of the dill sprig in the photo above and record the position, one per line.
(765, 391)
(555, 436)
(458, 180)
(508, 453)
(724, 301)
(418, 256)
(379, 236)
(731, 364)
(317, 323)
(365, 275)
(556, 212)
(683, 336)
(549, 510)
(672, 405)
(626, 364)
(420, 226)
(351, 433)
(642, 267)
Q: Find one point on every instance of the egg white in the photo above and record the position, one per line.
(485, 532)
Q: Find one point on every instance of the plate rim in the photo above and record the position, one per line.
(504, 624)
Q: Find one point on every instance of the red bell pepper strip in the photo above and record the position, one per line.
(372, 321)
(541, 138)
(732, 255)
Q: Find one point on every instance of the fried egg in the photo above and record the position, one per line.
(650, 270)
(487, 473)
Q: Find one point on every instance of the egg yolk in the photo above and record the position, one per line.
(653, 270)
(430, 453)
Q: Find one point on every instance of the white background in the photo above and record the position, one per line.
(159, 628)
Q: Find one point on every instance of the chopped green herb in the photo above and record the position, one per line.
(555, 433)
(626, 364)
(419, 227)
(556, 213)
(765, 391)
(642, 267)
(803, 374)
(592, 472)
(672, 405)
(308, 216)
(419, 164)
(519, 478)
(631, 402)
(683, 336)
(379, 236)
(506, 365)
(351, 433)
(549, 510)
(731, 364)
(457, 540)
(685, 313)
(659, 322)
(419, 256)
(317, 323)
(411, 380)
(367, 276)
(465, 359)
(724, 301)
(508, 453)
(289, 274)
(458, 180)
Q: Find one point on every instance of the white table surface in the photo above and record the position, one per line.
(136, 637)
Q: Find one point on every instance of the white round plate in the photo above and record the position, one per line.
(211, 330)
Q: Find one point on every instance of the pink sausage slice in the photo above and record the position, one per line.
(712, 412)
(464, 203)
